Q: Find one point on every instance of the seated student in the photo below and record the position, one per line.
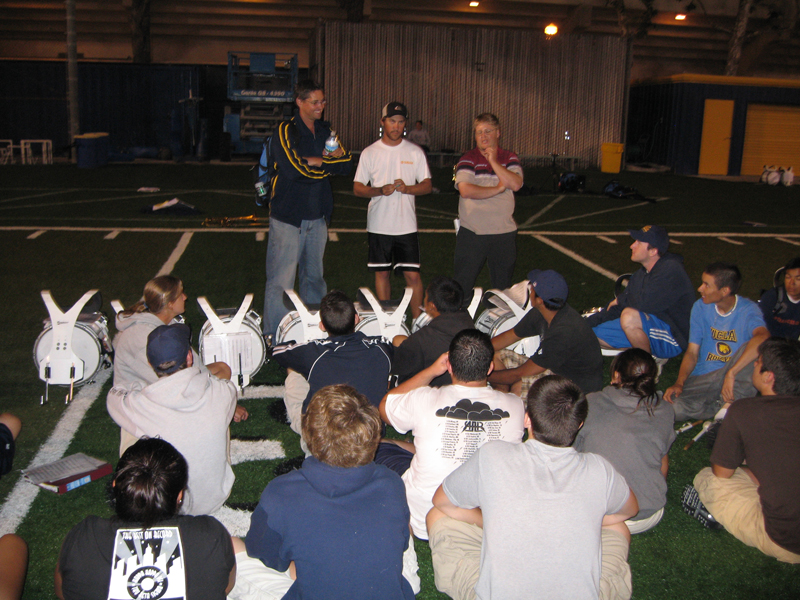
(524, 520)
(13, 549)
(781, 305)
(629, 426)
(448, 423)
(163, 300)
(346, 356)
(10, 426)
(652, 313)
(147, 549)
(759, 503)
(337, 527)
(443, 304)
(567, 347)
(189, 408)
(724, 336)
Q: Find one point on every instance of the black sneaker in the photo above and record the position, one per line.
(690, 501)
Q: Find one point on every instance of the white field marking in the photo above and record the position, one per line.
(730, 241)
(19, 501)
(541, 212)
(263, 391)
(597, 212)
(246, 451)
(333, 236)
(260, 236)
(36, 234)
(606, 239)
(36, 195)
(112, 235)
(237, 522)
(248, 231)
(113, 199)
(166, 269)
(673, 241)
(577, 257)
(788, 241)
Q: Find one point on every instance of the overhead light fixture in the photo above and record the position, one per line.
(551, 29)
(680, 17)
(474, 3)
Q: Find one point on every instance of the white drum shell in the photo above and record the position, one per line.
(371, 328)
(228, 347)
(90, 344)
(495, 321)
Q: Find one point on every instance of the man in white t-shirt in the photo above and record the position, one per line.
(449, 423)
(391, 172)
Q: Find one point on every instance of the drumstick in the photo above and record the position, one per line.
(71, 384)
(705, 428)
(688, 426)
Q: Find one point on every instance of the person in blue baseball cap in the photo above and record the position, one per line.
(567, 346)
(652, 313)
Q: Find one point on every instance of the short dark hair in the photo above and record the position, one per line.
(638, 373)
(445, 294)
(337, 313)
(471, 354)
(792, 264)
(149, 477)
(305, 88)
(557, 408)
(725, 275)
(781, 357)
(554, 303)
(341, 427)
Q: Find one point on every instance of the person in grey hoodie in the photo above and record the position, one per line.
(188, 407)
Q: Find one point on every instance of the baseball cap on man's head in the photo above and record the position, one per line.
(654, 235)
(169, 344)
(548, 285)
(394, 108)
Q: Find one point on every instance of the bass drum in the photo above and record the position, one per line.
(496, 320)
(243, 351)
(90, 343)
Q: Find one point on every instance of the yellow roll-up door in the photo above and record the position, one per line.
(771, 137)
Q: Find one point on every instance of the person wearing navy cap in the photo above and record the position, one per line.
(652, 313)
(567, 345)
(188, 407)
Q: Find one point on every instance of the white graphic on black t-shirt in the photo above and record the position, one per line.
(148, 565)
(469, 425)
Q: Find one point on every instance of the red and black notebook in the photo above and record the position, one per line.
(68, 473)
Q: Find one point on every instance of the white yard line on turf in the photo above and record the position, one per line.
(606, 239)
(730, 241)
(250, 230)
(541, 212)
(113, 199)
(793, 242)
(112, 235)
(585, 262)
(21, 497)
(597, 212)
(36, 196)
(36, 234)
(166, 269)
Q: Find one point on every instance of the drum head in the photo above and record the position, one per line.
(371, 328)
(85, 345)
(243, 351)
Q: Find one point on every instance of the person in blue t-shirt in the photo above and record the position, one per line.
(724, 335)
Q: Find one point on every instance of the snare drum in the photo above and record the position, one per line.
(497, 320)
(371, 328)
(243, 351)
(90, 343)
(292, 329)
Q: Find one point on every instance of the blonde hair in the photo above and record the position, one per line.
(341, 427)
(158, 293)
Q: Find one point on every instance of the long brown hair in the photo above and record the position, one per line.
(158, 293)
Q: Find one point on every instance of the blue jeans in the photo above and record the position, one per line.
(288, 249)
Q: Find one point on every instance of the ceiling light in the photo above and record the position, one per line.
(473, 4)
(551, 29)
(680, 17)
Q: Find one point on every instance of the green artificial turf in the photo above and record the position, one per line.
(678, 559)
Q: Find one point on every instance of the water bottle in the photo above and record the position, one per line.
(331, 144)
(261, 193)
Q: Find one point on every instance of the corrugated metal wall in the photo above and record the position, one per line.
(539, 88)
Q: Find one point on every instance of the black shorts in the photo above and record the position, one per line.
(398, 251)
(6, 449)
